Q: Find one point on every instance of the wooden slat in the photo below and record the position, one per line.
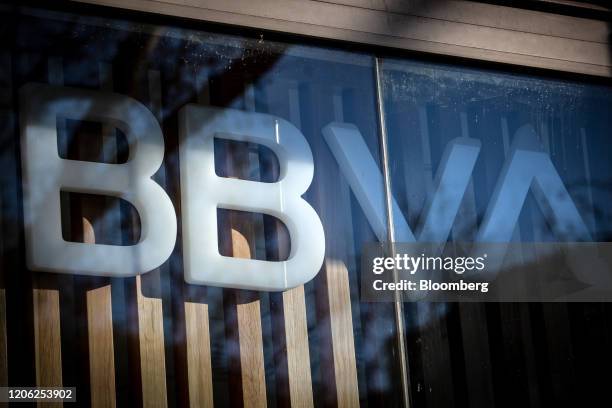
(101, 352)
(46, 306)
(251, 354)
(197, 323)
(298, 355)
(332, 197)
(47, 342)
(338, 287)
(198, 355)
(150, 309)
(99, 335)
(152, 355)
(99, 305)
(248, 312)
(101, 382)
(345, 366)
(248, 307)
(394, 29)
(294, 304)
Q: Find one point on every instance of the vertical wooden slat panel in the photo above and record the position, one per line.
(298, 356)
(99, 336)
(243, 317)
(47, 335)
(99, 306)
(198, 355)
(252, 369)
(294, 309)
(47, 343)
(150, 310)
(251, 354)
(343, 344)
(101, 352)
(244, 346)
(152, 356)
(336, 270)
(332, 197)
(197, 327)
(248, 306)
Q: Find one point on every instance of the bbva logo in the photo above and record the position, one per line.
(45, 174)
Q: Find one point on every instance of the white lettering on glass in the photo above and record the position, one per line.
(527, 168)
(45, 174)
(202, 192)
(364, 176)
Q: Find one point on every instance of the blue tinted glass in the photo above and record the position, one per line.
(528, 160)
(540, 169)
(160, 337)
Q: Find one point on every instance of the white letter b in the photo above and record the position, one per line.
(202, 192)
(45, 174)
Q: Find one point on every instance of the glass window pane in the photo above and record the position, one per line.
(471, 354)
(157, 336)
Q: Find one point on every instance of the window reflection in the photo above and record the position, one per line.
(499, 354)
(313, 344)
